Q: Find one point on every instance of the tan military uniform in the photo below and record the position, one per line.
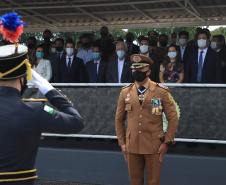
(144, 130)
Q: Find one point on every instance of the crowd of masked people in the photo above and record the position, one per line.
(201, 59)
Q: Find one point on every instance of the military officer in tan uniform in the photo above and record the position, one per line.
(144, 142)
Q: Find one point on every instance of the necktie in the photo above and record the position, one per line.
(69, 65)
(58, 56)
(152, 51)
(199, 75)
(129, 49)
(141, 91)
(95, 72)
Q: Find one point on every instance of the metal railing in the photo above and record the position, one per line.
(124, 84)
(115, 137)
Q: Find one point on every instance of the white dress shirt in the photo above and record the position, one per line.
(120, 68)
(98, 64)
(86, 56)
(44, 69)
(218, 50)
(182, 49)
(67, 60)
(203, 55)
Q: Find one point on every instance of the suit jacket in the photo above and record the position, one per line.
(107, 48)
(187, 52)
(112, 71)
(135, 50)
(154, 76)
(144, 129)
(211, 71)
(101, 75)
(77, 71)
(54, 63)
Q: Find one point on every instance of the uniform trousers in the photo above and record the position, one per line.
(136, 165)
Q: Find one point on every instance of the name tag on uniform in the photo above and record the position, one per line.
(156, 106)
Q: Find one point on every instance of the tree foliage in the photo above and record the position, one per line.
(118, 33)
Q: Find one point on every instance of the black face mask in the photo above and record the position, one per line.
(103, 34)
(139, 76)
(59, 48)
(31, 46)
(23, 86)
(86, 44)
(152, 42)
(163, 43)
(129, 39)
(46, 39)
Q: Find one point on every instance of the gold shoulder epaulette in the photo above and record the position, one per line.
(36, 100)
(127, 86)
(163, 86)
(64, 96)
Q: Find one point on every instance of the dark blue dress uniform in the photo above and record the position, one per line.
(21, 125)
(22, 122)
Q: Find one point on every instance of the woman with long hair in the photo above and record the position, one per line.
(172, 69)
(39, 64)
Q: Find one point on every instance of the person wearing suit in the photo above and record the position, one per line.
(218, 46)
(105, 43)
(183, 47)
(96, 68)
(144, 50)
(70, 69)
(203, 65)
(118, 70)
(56, 57)
(143, 141)
(131, 48)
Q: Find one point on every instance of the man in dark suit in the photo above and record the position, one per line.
(105, 44)
(203, 65)
(131, 48)
(144, 50)
(56, 57)
(70, 69)
(96, 68)
(184, 48)
(118, 70)
(47, 35)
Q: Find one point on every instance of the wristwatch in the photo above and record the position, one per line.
(169, 144)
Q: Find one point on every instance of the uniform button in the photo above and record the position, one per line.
(139, 123)
(141, 108)
(139, 132)
(140, 116)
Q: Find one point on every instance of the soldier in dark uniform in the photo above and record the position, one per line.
(22, 122)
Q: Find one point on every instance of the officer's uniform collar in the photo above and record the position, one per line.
(5, 90)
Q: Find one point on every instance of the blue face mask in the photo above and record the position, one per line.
(121, 54)
(96, 55)
(39, 54)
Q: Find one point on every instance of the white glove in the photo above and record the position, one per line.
(43, 85)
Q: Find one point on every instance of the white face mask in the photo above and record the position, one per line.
(182, 41)
(70, 51)
(202, 43)
(213, 45)
(144, 49)
(53, 50)
(172, 54)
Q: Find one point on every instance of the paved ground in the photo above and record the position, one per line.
(44, 182)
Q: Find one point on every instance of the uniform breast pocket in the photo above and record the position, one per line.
(128, 108)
